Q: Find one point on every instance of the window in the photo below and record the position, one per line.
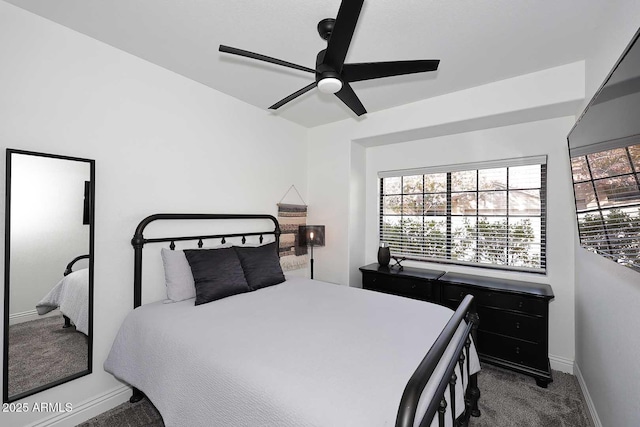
(607, 192)
(483, 214)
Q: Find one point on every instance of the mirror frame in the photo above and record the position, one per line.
(7, 258)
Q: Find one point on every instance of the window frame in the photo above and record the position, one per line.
(448, 215)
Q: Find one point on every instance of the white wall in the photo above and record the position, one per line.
(161, 143)
(607, 344)
(358, 185)
(607, 295)
(47, 203)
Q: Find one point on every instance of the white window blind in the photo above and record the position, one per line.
(490, 214)
(606, 184)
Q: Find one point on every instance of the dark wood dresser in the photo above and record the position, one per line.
(514, 315)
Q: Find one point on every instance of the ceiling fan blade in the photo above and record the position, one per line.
(252, 55)
(292, 96)
(342, 33)
(376, 70)
(349, 97)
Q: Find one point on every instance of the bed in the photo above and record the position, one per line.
(71, 296)
(298, 353)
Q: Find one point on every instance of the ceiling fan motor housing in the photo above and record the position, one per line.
(327, 79)
(325, 27)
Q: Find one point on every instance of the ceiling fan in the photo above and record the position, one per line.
(332, 74)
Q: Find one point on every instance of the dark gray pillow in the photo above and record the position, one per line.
(217, 273)
(261, 265)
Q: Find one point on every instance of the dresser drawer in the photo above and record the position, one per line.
(412, 288)
(495, 299)
(513, 324)
(419, 289)
(513, 350)
(370, 281)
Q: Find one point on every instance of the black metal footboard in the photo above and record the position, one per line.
(418, 381)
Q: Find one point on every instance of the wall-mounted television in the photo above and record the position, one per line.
(604, 146)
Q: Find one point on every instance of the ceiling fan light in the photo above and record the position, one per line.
(329, 85)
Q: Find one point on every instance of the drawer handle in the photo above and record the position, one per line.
(520, 304)
(375, 279)
(517, 350)
(517, 325)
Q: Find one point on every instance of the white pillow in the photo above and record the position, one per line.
(177, 274)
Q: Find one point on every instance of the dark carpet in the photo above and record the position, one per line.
(41, 351)
(140, 414)
(508, 399)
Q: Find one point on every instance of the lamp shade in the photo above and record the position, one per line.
(311, 235)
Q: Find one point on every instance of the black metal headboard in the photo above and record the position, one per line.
(139, 241)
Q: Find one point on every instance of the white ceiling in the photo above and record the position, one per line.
(477, 41)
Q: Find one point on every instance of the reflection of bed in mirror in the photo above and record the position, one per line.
(42, 338)
(71, 296)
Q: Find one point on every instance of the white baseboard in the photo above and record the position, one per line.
(26, 316)
(87, 409)
(587, 397)
(561, 364)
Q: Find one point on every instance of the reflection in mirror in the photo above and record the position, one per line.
(48, 271)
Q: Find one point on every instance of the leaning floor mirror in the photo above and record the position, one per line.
(48, 298)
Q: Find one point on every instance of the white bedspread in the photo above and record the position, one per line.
(71, 295)
(302, 353)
